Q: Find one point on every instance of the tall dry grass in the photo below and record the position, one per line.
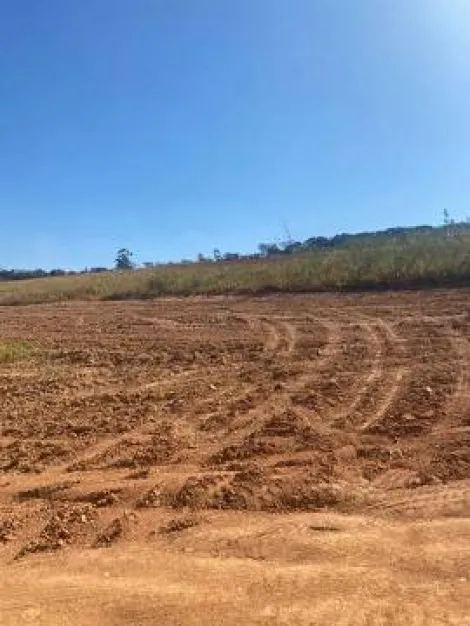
(422, 260)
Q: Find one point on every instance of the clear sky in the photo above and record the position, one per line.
(176, 126)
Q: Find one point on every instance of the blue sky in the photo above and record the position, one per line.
(176, 126)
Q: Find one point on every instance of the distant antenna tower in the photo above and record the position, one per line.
(287, 234)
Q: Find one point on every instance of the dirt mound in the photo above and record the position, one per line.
(284, 433)
(119, 528)
(179, 524)
(46, 492)
(101, 498)
(255, 489)
(65, 526)
(140, 451)
(451, 462)
(32, 456)
(8, 528)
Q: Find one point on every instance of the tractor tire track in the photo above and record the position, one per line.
(377, 392)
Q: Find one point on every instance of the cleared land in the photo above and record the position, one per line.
(280, 460)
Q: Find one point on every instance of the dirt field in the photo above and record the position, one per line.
(282, 460)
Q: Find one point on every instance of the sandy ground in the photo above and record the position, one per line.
(280, 460)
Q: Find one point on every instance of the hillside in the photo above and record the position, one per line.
(397, 258)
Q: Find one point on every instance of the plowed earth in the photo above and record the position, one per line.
(300, 459)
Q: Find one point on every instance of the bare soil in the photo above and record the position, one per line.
(278, 460)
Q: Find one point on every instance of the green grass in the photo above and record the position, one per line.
(13, 351)
(421, 260)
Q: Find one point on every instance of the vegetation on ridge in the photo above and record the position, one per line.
(402, 258)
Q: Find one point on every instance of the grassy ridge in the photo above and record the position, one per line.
(429, 259)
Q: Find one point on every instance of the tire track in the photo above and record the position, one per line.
(374, 375)
(377, 392)
(397, 378)
(445, 500)
(247, 422)
(290, 337)
(282, 341)
(280, 335)
(106, 444)
(189, 376)
(423, 391)
(458, 407)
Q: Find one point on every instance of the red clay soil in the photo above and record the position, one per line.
(142, 423)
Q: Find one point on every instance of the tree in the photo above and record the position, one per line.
(448, 220)
(123, 260)
(292, 247)
(263, 249)
(269, 249)
(449, 223)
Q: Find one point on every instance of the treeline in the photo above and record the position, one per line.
(267, 251)
(338, 242)
(7, 275)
